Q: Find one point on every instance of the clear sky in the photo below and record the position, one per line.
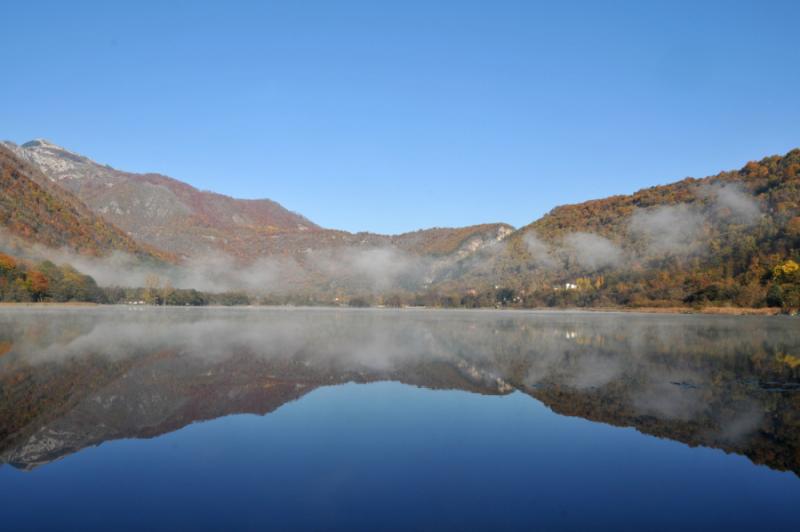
(392, 116)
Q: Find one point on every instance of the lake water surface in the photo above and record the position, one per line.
(276, 419)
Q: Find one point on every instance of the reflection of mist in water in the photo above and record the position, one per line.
(741, 423)
(673, 354)
(671, 400)
(695, 378)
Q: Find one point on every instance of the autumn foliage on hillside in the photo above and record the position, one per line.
(732, 239)
(37, 211)
(729, 239)
(25, 281)
(440, 241)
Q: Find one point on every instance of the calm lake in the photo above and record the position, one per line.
(276, 419)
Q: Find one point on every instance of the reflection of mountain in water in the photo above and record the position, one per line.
(71, 379)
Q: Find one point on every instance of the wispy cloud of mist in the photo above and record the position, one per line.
(221, 273)
(369, 268)
(592, 251)
(742, 423)
(683, 229)
(671, 397)
(730, 202)
(587, 250)
(540, 251)
(212, 273)
(117, 268)
(377, 268)
(673, 229)
(679, 230)
(482, 262)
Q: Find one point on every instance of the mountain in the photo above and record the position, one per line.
(713, 240)
(176, 217)
(162, 211)
(732, 238)
(228, 244)
(33, 209)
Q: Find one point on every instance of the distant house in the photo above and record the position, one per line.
(565, 286)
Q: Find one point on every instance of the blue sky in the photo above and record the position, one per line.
(393, 116)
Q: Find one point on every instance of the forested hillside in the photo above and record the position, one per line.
(36, 211)
(26, 281)
(445, 241)
(732, 238)
(161, 211)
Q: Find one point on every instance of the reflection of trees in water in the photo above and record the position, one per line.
(725, 382)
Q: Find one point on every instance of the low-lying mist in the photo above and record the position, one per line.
(364, 268)
(665, 366)
(680, 230)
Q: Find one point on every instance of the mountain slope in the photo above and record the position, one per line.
(440, 241)
(693, 241)
(732, 238)
(174, 216)
(202, 226)
(161, 211)
(34, 210)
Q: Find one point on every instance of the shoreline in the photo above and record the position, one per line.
(720, 311)
(49, 304)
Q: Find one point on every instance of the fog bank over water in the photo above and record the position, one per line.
(389, 335)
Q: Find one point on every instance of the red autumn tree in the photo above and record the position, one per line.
(37, 284)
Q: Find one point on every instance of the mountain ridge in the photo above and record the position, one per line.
(716, 238)
(729, 238)
(33, 209)
(179, 218)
